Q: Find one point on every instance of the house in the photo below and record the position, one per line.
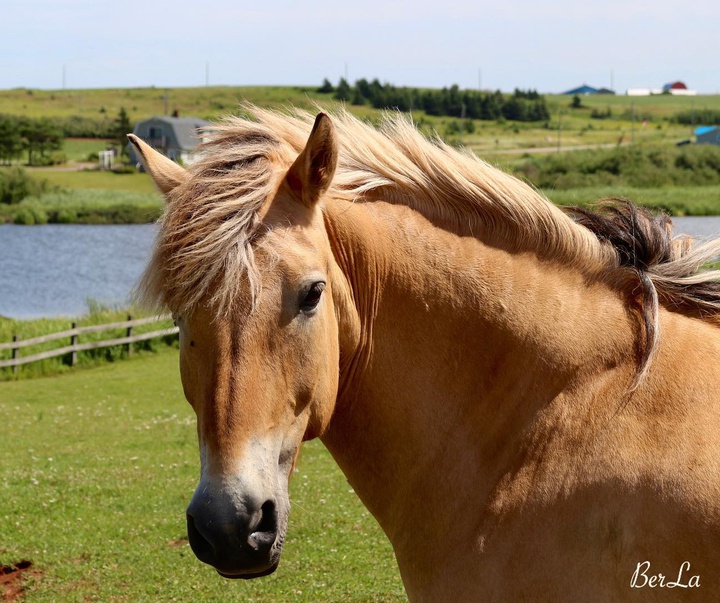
(675, 88)
(585, 89)
(679, 89)
(643, 91)
(708, 135)
(173, 136)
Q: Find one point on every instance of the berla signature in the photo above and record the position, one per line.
(644, 578)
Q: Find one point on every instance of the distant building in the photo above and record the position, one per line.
(675, 88)
(175, 137)
(708, 135)
(643, 91)
(585, 89)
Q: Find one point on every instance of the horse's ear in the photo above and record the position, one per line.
(311, 174)
(166, 173)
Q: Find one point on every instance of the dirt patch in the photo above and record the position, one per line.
(12, 578)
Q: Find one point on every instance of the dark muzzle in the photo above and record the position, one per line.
(238, 544)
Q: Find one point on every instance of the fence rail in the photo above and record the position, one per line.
(16, 345)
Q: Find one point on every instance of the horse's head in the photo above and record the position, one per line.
(262, 372)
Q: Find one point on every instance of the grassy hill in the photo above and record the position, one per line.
(577, 125)
(648, 123)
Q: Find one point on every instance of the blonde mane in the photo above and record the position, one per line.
(204, 248)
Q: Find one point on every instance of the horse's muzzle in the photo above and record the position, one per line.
(243, 544)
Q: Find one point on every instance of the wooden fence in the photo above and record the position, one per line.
(72, 334)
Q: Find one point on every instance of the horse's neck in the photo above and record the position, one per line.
(463, 345)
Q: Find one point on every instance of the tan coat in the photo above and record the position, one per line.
(513, 400)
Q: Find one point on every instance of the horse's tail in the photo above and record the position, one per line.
(667, 270)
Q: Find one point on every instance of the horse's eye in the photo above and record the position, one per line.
(312, 297)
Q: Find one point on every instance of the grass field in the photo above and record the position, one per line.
(79, 149)
(646, 122)
(575, 126)
(676, 201)
(98, 467)
(203, 102)
(91, 179)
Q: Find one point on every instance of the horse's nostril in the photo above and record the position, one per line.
(263, 536)
(200, 545)
(268, 517)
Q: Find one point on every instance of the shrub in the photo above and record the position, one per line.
(124, 169)
(632, 166)
(16, 184)
(30, 216)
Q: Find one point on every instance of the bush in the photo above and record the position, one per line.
(631, 166)
(124, 169)
(708, 117)
(16, 184)
(30, 216)
(55, 158)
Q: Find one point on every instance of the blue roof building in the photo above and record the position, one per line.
(584, 89)
(708, 135)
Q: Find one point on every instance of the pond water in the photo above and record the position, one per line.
(52, 270)
(705, 227)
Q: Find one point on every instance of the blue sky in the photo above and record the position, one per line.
(550, 46)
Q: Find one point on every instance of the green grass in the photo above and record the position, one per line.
(85, 206)
(577, 127)
(93, 179)
(78, 149)
(676, 201)
(203, 102)
(648, 122)
(98, 466)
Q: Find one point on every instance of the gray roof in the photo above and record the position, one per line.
(185, 129)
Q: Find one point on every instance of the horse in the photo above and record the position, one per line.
(527, 399)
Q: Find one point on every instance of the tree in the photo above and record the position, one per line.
(11, 144)
(343, 90)
(121, 127)
(326, 87)
(40, 137)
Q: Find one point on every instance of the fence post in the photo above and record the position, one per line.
(73, 342)
(129, 334)
(15, 355)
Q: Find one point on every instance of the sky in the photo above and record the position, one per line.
(548, 46)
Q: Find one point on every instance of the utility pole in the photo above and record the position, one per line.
(479, 80)
(207, 73)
